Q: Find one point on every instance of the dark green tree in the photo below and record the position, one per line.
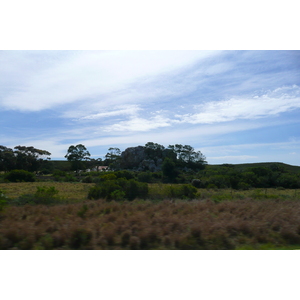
(188, 157)
(112, 158)
(154, 151)
(78, 155)
(29, 158)
(92, 163)
(169, 170)
(7, 159)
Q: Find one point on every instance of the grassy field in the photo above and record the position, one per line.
(74, 191)
(217, 219)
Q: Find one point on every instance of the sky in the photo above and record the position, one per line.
(233, 106)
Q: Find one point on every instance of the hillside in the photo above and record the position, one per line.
(245, 166)
(65, 165)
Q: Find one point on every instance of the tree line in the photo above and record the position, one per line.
(149, 163)
(141, 158)
(22, 158)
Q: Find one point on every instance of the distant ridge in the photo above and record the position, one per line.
(61, 164)
(244, 166)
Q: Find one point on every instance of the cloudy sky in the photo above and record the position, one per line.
(233, 106)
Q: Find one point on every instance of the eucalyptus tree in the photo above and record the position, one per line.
(7, 159)
(78, 155)
(30, 158)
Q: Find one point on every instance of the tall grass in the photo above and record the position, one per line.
(196, 224)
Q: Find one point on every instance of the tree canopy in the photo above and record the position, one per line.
(77, 155)
(23, 158)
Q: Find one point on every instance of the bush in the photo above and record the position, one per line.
(196, 183)
(70, 178)
(20, 176)
(59, 173)
(80, 237)
(109, 176)
(243, 186)
(119, 189)
(124, 174)
(104, 190)
(183, 191)
(145, 177)
(43, 195)
(88, 179)
(3, 200)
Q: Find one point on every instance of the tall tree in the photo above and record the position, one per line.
(78, 155)
(7, 159)
(154, 151)
(187, 156)
(112, 157)
(29, 158)
(169, 170)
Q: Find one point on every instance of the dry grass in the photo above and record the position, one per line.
(75, 191)
(238, 224)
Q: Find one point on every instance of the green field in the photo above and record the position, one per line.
(75, 191)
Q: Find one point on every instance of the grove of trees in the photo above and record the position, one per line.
(23, 158)
(151, 163)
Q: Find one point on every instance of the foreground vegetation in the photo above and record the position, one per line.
(215, 219)
(152, 198)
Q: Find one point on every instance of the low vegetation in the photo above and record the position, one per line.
(239, 224)
(165, 198)
(207, 219)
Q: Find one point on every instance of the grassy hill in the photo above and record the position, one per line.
(245, 166)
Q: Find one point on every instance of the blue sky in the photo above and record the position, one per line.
(233, 106)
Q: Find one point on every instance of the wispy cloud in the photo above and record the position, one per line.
(139, 124)
(90, 74)
(51, 99)
(129, 110)
(273, 103)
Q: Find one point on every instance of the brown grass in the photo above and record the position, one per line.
(239, 224)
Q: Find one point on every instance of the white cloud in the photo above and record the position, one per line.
(139, 124)
(273, 103)
(89, 74)
(129, 110)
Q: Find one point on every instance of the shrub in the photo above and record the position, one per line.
(81, 213)
(3, 200)
(104, 190)
(134, 189)
(43, 195)
(243, 186)
(59, 173)
(188, 191)
(124, 174)
(88, 179)
(119, 189)
(80, 238)
(196, 183)
(211, 186)
(70, 178)
(109, 176)
(183, 191)
(20, 176)
(145, 177)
